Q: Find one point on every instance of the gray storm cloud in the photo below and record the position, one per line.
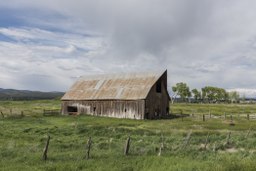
(200, 42)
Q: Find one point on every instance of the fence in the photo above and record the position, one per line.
(206, 143)
(51, 112)
(19, 114)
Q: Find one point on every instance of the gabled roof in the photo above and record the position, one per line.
(131, 86)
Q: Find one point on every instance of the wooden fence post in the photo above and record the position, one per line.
(160, 149)
(187, 139)
(161, 145)
(225, 115)
(181, 113)
(231, 123)
(46, 148)
(248, 132)
(214, 147)
(206, 141)
(89, 143)
(21, 114)
(203, 117)
(228, 138)
(127, 146)
(2, 114)
(248, 116)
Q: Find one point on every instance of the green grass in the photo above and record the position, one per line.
(216, 109)
(29, 108)
(22, 141)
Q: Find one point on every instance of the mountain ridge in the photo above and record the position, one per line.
(14, 94)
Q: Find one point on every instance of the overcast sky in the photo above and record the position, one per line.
(46, 44)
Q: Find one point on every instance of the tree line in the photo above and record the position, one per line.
(207, 94)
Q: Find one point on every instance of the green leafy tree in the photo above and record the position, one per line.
(233, 96)
(214, 94)
(197, 94)
(182, 90)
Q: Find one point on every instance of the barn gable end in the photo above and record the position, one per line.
(135, 96)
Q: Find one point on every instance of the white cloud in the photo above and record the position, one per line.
(201, 42)
(251, 93)
(59, 57)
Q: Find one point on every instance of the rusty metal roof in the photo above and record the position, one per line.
(131, 86)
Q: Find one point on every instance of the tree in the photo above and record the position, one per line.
(233, 96)
(197, 94)
(181, 89)
(214, 94)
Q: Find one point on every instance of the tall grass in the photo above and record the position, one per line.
(216, 109)
(22, 141)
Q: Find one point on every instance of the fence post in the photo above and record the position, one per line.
(225, 115)
(46, 148)
(89, 143)
(181, 113)
(228, 138)
(187, 139)
(161, 145)
(127, 146)
(231, 123)
(160, 149)
(2, 114)
(248, 132)
(248, 116)
(203, 117)
(214, 147)
(206, 141)
(21, 114)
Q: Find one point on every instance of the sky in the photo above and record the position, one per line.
(47, 44)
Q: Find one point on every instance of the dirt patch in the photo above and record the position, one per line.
(232, 150)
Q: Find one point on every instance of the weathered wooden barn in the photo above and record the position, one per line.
(135, 96)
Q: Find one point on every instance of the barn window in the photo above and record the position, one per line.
(158, 86)
(72, 109)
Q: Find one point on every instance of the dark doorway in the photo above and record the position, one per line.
(72, 109)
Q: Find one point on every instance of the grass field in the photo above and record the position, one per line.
(22, 140)
(216, 109)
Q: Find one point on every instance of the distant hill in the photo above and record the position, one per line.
(12, 94)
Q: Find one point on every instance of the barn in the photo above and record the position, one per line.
(131, 95)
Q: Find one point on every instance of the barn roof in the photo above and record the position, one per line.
(131, 86)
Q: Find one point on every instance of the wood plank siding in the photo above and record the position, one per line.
(133, 109)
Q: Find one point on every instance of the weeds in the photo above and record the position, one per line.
(22, 141)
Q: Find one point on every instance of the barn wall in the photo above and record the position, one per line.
(133, 109)
(157, 104)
